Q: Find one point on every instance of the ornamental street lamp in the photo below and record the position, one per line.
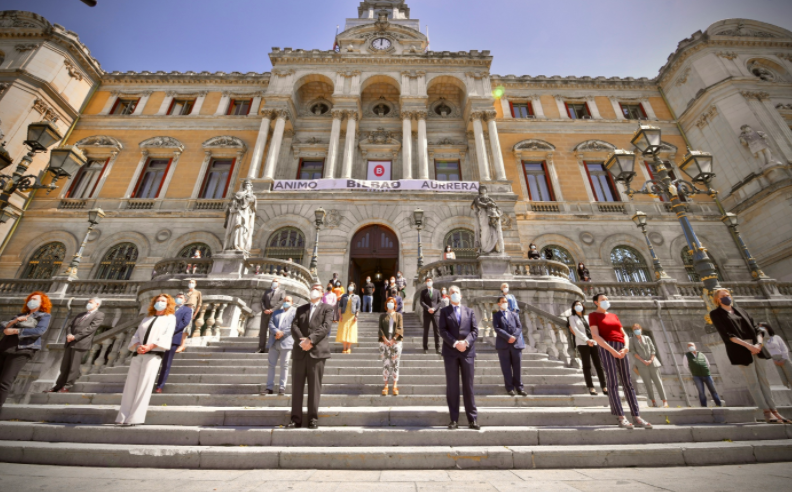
(418, 216)
(640, 220)
(319, 213)
(64, 163)
(94, 216)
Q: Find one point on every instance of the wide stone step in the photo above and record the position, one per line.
(386, 457)
(261, 370)
(221, 353)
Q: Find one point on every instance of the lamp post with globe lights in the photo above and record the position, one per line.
(319, 214)
(418, 216)
(94, 216)
(640, 220)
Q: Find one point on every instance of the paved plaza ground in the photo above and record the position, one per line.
(740, 478)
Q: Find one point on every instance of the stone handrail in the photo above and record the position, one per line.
(182, 266)
(210, 320)
(104, 288)
(620, 289)
(522, 267)
(785, 288)
(110, 349)
(744, 289)
(24, 286)
(450, 270)
(282, 268)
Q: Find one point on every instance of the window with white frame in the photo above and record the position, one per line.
(218, 176)
(151, 178)
(633, 111)
(537, 179)
(181, 107)
(125, 106)
(87, 178)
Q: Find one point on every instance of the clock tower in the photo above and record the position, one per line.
(382, 26)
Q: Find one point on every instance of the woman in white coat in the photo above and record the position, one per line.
(151, 341)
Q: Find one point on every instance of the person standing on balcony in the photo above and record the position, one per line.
(648, 365)
(431, 301)
(391, 334)
(401, 285)
(699, 367)
(509, 343)
(281, 344)
(270, 301)
(22, 339)
(195, 301)
(614, 345)
(449, 254)
(153, 337)
(349, 307)
(183, 317)
(79, 338)
(459, 331)
(587, 347)
(583, 273)
(368, 295)
(533, 253)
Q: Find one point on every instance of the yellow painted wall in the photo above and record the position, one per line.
(97, 102)
(549, 106)
(211, 102)
(154, 102)
(605, 107)
(660, 109)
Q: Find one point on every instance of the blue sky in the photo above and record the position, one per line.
(526, 37)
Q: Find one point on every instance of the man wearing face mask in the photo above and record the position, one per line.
(510, 299)
(184, 315)
(195, 301)
(79, 338)
(699, 367)
(280, 345)
(431, 301)
(311, 326)
(459, 331)
(401, 285)
(270, 301)
(509, 344)
(368, 295)
(648, 365)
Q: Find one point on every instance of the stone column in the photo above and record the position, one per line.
(617, 108)
(199, 102)
(261, 144)
(349, 144)
(423, 155)
(275, 145)
(648, 109)
(481, 150)
(497, 155)
(222, 106)
(332, 150)
(561, 107)
(254, 105)
(166, 103)
(536, 105)
(593, 109)
(407, 144)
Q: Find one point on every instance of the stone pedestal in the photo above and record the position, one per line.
(228, 265)
(495, 267)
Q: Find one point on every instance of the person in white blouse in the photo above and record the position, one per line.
(151, 341)
(578, 325)
(780, 353)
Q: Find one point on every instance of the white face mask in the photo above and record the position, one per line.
(429, 285)
(456, 298)
(399, 275)
(578, 308)
(351, 288)
(503, 306)
(692, 349)
(179, 301)
(391, 306)
(275, 286)
(316, 294)
(33, 304)
(368, 280)
(90, 306)
(605, 305)
(160, 305)
(192, 285)
(393, 280)
(444, 292)
(505, 290)
(286, 305)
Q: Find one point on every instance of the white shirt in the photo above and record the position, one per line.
(777, 348)
(161, 334)
(390, 326)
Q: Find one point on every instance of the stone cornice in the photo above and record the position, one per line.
(182, 78)
(572, 82)
(287, 56)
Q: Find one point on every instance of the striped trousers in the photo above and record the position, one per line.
(616, 369)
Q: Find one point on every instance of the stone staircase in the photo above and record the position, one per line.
(212, 415)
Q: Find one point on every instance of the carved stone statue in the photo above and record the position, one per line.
(240, 219)
(489, 235)
(756, 142)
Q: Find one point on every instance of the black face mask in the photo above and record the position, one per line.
(726, 301)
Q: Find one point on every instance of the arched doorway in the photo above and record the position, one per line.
(374, 252)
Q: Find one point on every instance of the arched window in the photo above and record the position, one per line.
(687, 260)
(286, 243)
(563, 256)
(462, 242)
(45, 262)
(629, 265)
(118, 262)
(189, 250)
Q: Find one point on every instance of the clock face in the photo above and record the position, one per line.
(381, 44)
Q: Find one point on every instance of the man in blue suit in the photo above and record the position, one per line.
(183, 318)
(459, 330)
(280, 345)
(509, 344)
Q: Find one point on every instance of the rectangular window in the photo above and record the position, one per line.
(239, 107)
(310, 170)
(522, 110)
(447, 171)
(538, 181)
(578, 111)
(633, 111)
(124, 106)
(671, 174)
(181, 106)
(151, 178)
(601, 183)
(218, 174)
(87, 177)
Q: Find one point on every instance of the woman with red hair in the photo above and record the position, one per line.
(22, 339)
(150, 343)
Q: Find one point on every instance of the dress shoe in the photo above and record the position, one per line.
(314, 424)
(292, 425)
(268, 392)
(522, 393)
(158, 390)
(281, 392)
(510, 393)
(426, 351)
(474, 425)
(51, 390)
(260, 351)
(453, 425)
(439, 352)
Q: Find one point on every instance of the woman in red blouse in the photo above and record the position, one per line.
(608, 332)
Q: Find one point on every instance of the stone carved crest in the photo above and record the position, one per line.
(382, 20)
(225, 141)
(594, 146)
(741, 30)
(443, 109)
(380, 136)
(162, 142)
(333, 218)
(47, 112)
(72, 69)
(100, 141)
(535, 145)
(26, 47)
(11, 18)
(447, 142)
(382, 108)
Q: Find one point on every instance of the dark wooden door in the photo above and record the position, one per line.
(375, 242)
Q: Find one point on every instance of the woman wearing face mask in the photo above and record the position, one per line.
(391, 334)
(330, 299)
(583, 273)
(349, 306)
(401, 285)
(780, 353)
(533, 253)
(338, 291)
(150, 343)
(586, 346)
(744, 346)
(648, 364)
(445, 301)
(449, 253)
(614, 346)
(22, 339)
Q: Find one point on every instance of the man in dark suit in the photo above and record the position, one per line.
(509, 344)
(311, 326)
(459, 330)
(184, 314)
(430, 302)
(79, 338)
(270, 301)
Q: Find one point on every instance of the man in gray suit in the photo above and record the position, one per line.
(270, 301)
(78, 341)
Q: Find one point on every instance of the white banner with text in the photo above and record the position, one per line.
(361, 185)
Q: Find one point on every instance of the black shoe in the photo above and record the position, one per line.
(314, 424)
(474, 425)
(268, 392)
(522, 393)
(453, 425)
(281, 392)
(510, 393)
(260, 351)
(439, 352)
(426, 351)
(292, 425)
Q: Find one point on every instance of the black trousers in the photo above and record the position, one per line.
(312, 370)
(431, 319)
(587, 354)
(511, 366)
(70, 368)
(264, 330)
(11, 362)
(453, 367)
(167, 361)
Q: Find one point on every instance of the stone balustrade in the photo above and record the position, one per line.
(111, 348)
(669, 289)
(281, 268)
(220, 315)
(104, 288)
(450, 270)
(620, 289)
(182, 267)
(521, 267)
(24, 287)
